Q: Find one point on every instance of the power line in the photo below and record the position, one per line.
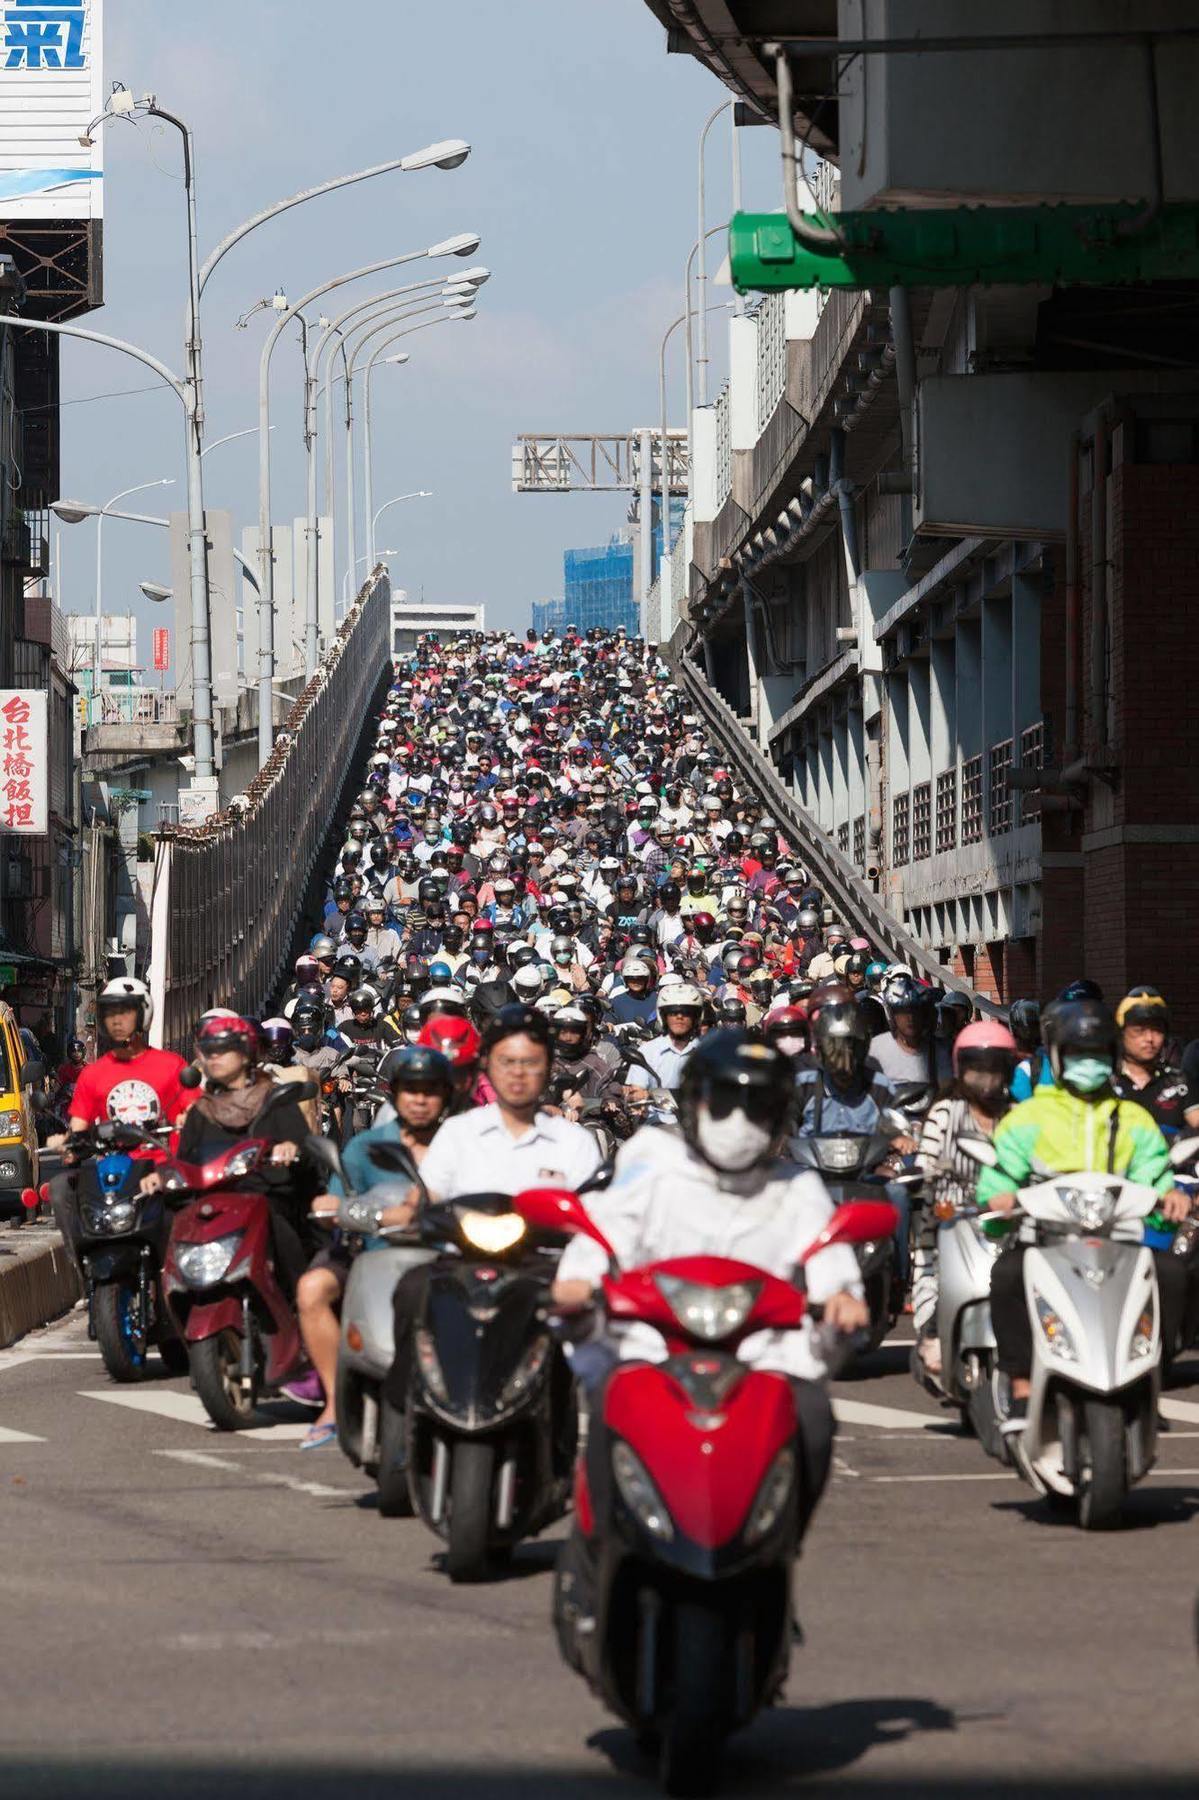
(86, 399)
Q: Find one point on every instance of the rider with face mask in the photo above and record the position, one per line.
(717, 1185)
(1078, 1124)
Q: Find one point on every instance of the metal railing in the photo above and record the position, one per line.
(229, 894)
(132, 706)
(854, 899)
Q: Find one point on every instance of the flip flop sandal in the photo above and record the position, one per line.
(317, 1436)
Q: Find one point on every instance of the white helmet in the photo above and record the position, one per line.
(126, 990)
(680, 996)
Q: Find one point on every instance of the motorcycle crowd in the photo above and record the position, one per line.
(584, 1144)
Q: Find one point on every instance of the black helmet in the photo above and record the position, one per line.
(516, 1020)
(727, 1071)
(1024, 1023)
(841, 1039)
(670, 896)
(343, 888)
(348, 968)
(1081, 990)
(355, 924)
(428, 893)
(309, 1023)
(1079, 1028)
(363, 999)
(416, 1066)
(380, 854)
(731, 1010)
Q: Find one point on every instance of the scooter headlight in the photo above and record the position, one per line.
(773, 1495)
(639, 1493)
(492, 1233)
(838, 1155)
(1092, 1208)
(710, 1313)
(203, 1264)
(102, 1220)
(1141, 1342)
(242, 1164)
(1053, 1330)
(430, 1367)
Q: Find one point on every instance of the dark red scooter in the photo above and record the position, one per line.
(687, 1500)
(220, 1285)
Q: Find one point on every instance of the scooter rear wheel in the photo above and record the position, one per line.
(1103, 1478)
(216, 1376)
(121, 1339)
(693, 1732)
(395, 1499)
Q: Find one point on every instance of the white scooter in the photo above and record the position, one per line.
(965, 1258)
(1091, 1289)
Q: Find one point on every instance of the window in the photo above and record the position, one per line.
(900, 812)
(922, 822)
(972, 800)
(947, 809)
(1000, 793)
(859, 840)
(1032, 756)
(843, 837)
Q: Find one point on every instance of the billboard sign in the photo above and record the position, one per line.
(162, 647)
(24, 762)
(51, 88)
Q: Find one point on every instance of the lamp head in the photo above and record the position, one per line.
(71, 512)
(450, 153)
(466, 313)
(121, 101)
(154, 590)
(464, 244)
(279, 301)
(476, 276)
(402, 357)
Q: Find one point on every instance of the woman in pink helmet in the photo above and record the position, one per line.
(984, 1055)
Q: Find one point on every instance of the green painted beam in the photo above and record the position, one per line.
(957, 246)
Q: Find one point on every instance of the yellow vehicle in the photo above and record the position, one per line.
(18, 1136)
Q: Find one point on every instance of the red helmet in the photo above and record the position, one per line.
(483, 927)
(227, 1032)
(987, 1034)
(455, 1038)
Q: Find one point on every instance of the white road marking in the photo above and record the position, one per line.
(891, 1418)
(990, 1475)
(186, 1409)
(204, 1459)
(18, 1437)
(1179, 1409)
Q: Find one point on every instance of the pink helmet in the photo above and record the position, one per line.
(859, 943)
(987, 1034)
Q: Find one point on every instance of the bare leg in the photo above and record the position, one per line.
(317, 1296)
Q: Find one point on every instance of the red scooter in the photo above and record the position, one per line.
(220, 1285)
(687, 1500)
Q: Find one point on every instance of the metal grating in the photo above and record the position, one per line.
(900, 839)
(1000, 811)
(922, 822)
(1032, 756)
(724, 447)
(947, 809)
(843, 837)
(772, 356)
(859, 840)
(972, 800)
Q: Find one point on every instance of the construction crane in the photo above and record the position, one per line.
(643, 462)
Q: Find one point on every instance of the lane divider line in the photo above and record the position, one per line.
(204, 1459)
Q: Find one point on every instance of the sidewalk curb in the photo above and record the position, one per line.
(36, 1285)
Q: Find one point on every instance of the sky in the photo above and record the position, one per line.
(581, 182)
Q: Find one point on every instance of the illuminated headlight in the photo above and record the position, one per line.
(173, 1181)
(838, 1154)
(772, 1496)
(526, 1372)
(1054, 1331)
(203, 1264)
(639, 1493)
(8, 1171)
(492, 1233)
(10, 1124)
(242, 1164)
(709, 1313)
(1091, 1208)
(1141, 1341)
(430, 1367)
(99, 1219)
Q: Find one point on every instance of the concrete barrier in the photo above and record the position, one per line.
(38, 1282)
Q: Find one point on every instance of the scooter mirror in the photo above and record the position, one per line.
(894, 1123)
(394, 1158)
(595, 1184)
(326, 1154)
(190, 1077)
(1183, 1151)
(982, 1150)
(857, 1222)
(560, 1209)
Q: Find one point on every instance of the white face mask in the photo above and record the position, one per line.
(733, 1143)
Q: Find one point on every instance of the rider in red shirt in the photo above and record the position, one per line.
(131, 1083)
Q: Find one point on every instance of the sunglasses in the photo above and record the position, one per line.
(758, 1108)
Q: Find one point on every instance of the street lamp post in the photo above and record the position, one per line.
(688, 315)
(102, 513)
(463, 245)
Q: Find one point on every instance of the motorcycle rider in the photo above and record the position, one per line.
(984, 1056)
(1079, 1123)
(130, 1082)
(909, 1051)
(718, 1185)
(1143, 1072)
(663, 1059)
(420, 1089)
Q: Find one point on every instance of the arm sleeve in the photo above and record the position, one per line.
(1150, 1159)
(1013, 1140)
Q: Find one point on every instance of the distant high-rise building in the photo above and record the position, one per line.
(598, 587)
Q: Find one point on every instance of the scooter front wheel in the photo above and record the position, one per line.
(216, 1376)
(470, 1510)
(1103, 1475)
(120, 1333)
(693, 1732)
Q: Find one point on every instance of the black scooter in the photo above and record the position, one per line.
(119, 1237)
(491, 1424)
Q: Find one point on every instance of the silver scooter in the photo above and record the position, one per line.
(965, 1258)
(1091, 1290)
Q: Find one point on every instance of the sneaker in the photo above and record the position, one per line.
(1017, 1418)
